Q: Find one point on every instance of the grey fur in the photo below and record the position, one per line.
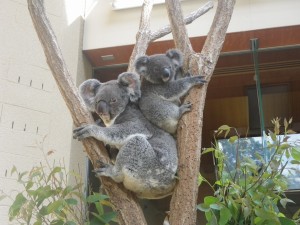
(162, 90)
(147, 159)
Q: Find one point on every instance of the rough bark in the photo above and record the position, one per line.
(126, 204)
(189, 133)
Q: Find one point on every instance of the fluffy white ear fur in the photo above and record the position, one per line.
(176, 57)
(87, 91)
(131, 82)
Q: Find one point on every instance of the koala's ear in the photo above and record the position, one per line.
(88, 90)
(132, 84)
(176, 57)
(141, 64)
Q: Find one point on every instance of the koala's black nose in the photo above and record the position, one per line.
(102, 108)
(166, 73)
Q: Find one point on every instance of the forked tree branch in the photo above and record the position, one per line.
(142, 37)
(128, 208)
(189, 133)
(145, 36)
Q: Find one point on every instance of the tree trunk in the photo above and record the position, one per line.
(183, 205)
(189, 132)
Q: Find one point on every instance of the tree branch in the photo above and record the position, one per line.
(189, 133)
(187, 20)
(126, 204)
(179, 31)
(145, 36)
(216, 37)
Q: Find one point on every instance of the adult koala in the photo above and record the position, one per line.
(162, 89)
(147, 159)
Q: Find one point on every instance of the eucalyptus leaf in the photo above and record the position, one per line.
(200, 179)
(295, 152)
(203, 207)
(13, 170)
(15, 208)
(207, 150)
(233, 139)
(96, 197)
(70, 223)
(53, 172)
(225, 216)
(285, 123)
(284, 146)
(286, 221)
(109, 216)
(208, 200)
(71, 201)
(56, 205)
(99, 207)
(284, 201)
(29, 185)
(38, 222)
(57, 222)
(224, 127)
(216, 206)
(246, 212)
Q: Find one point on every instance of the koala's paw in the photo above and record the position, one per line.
(99, 122)
(200, 80)
(82, 132)
(188, 74)
(185, 107)
(102, 169)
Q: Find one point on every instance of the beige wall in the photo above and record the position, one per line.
(106, 28)
(33, 114)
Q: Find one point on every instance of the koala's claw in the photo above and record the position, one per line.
(201, 79)
(188, 74)
(185, 107)
(101, 169)
(80, 133)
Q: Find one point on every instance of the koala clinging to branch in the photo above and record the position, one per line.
(162, 90)
(147, 159)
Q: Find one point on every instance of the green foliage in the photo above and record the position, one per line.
(249, 193)
(46, 198)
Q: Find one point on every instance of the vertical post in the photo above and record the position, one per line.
(254, 48)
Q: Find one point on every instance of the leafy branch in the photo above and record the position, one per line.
(251, 198)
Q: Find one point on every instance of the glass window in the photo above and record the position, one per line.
(248, 147)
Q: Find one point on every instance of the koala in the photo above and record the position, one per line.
(162, 89)
(147, 159)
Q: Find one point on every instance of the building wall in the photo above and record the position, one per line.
(33, 115)
(105, 27)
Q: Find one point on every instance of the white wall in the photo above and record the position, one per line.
(33, 114)
(106, 28)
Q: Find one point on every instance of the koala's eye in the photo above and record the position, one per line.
(156, 70)
(113, 100)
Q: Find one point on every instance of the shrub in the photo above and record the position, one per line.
(46, 198)
(249, 190)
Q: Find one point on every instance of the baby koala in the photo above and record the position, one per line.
(162, 89)
(147, 159)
